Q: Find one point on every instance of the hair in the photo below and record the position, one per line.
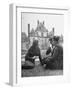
(34, 49)
(50, 40)
(35, 43)
(56, 38)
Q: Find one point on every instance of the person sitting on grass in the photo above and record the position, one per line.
(55, 61)
(31, 55)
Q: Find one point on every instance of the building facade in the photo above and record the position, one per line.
(41, 34)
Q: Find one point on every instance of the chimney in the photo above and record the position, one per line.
(53, 29)
(28, 30)
(43, 22)
(38, 22)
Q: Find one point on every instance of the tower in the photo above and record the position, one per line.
(53, 29)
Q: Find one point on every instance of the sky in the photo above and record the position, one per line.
(50, 20)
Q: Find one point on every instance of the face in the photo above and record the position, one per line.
(50, 42)
(53, 42)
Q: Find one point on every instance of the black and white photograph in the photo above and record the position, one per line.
(42, 37)
(39, 45)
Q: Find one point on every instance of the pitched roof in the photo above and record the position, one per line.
(41, 28)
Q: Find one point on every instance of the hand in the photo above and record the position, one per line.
(34, 57)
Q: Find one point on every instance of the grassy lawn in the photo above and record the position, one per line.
(40, 71)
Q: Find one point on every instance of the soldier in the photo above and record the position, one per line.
(55, 61)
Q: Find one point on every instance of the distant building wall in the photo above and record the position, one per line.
(41, 34)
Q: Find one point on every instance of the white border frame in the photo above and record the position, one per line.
(15, 46)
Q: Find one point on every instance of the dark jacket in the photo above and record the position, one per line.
(33, 51)
(56, 60)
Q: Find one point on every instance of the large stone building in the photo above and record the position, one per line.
(41, 34)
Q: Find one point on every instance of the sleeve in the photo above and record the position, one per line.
(48, 51)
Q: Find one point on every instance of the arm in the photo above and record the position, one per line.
(48, 51)
(29, 54)
(28, 57)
